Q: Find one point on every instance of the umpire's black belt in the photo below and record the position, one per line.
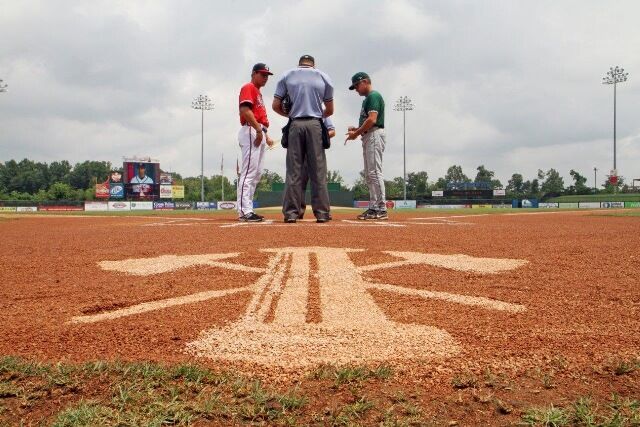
(306, 118)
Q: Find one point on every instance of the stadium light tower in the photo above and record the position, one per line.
(3, 86)
(614, 76)
(202, 103)
(404, 104)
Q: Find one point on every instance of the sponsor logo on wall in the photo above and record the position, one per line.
(61, 208)
(589, 205)
(612, 205)
(119, 206)
(177, 191)
(227, 205)
(568, 205)
(141, 206)
(164, 205)
(437, 193)
(548, 205)
(405, 204)
(500, 192)
(96, 206)
(27, 209)
(632, 204)
(7, 208)
(102, 190)
(166, 192)
(183, 205)
(206, 205)
(117, 191)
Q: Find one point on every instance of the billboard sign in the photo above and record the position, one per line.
(141, 206)
(27, 209)
(142, 177)
(632, 204)
(116, 191)
(102, 190)
(228, 205)
(548, 205)
(96, 206)
(568, 205)
(166, 178)
(207, 206)
(183, 205)
(7, 209)
(164, 205)
(166, 191)
(61, 208)
(612, 205)
(177, 191)
(115, 177)
(589, 205)
(500, 192)
(405, 204)
(447, 206)
(437, 193)
(119, 206)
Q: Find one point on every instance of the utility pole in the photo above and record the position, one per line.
(595, 178)
(404, 104)
(202, 103)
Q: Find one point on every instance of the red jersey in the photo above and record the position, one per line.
(250, 94)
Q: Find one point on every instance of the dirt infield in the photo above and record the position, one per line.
(431, 295)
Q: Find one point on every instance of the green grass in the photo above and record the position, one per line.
(584, 411)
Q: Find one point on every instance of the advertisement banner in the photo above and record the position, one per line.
(7, 209)
(206, 206)
(142, 176)
(589, 205)
(447, 206)
(141, 206)
(166, 178)
(548, 205)
(27, 209)
(405, 204)
(499, 192)
(119, 206)
(480, 206)
(227, 206)
(164, 205)
(166, 191)
(612, 205)
(437, 193)
(102, 190)
(117, 191)
(96, 206)
(177, 191)
(529, 203)
(501, 206)
(183, 205)
(568, 205)
(632, 204)
(61, 208)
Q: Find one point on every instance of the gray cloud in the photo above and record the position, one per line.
(512, 85)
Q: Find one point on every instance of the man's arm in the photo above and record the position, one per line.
(368, 124)
(328, 108)
(246, 112)
(277, 107)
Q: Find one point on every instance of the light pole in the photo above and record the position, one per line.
(202, 102)
(3, 86)
(404, 104)
(595, 179)
(614, 76)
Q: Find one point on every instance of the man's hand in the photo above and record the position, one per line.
(351, 134)
(259, 137)
(269, 141)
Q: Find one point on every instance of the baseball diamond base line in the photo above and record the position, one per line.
(275, 331)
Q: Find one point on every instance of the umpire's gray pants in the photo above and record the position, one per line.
(373, 143)
(305, 141)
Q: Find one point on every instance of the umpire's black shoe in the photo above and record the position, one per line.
(251, 217)
(290, 220)
(323, 219)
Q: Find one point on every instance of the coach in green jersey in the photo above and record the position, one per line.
(371, 128)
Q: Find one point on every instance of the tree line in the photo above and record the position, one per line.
(38, 181)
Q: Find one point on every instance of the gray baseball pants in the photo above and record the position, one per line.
(373, 143)
(305, 141)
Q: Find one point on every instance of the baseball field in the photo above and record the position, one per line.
(430, 318)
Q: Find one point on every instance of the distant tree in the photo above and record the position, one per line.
(269, 178)
(553, 182)
(62, 191)
(484, 175)
(360, 188)
(579, 184)
(336, 177)
(84, 174)
(59, 172)
(515, 186)
(440, 184)
(455, 174)
(417, 184)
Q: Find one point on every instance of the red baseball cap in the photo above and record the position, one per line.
(262, 68)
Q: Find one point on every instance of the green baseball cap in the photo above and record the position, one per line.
(357, 77)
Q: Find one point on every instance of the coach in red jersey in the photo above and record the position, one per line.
(252, 138)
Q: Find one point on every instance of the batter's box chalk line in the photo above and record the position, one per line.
(276, 329)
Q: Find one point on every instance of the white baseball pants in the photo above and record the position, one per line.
(251, 172)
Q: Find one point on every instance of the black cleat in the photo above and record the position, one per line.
(290, 220)
(382, 215)
(368, 214)
(251, 217)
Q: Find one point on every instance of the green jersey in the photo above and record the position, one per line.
(373, 102)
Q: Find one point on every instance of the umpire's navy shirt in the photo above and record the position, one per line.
(307, 88)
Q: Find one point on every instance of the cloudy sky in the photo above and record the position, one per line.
(513, 85)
